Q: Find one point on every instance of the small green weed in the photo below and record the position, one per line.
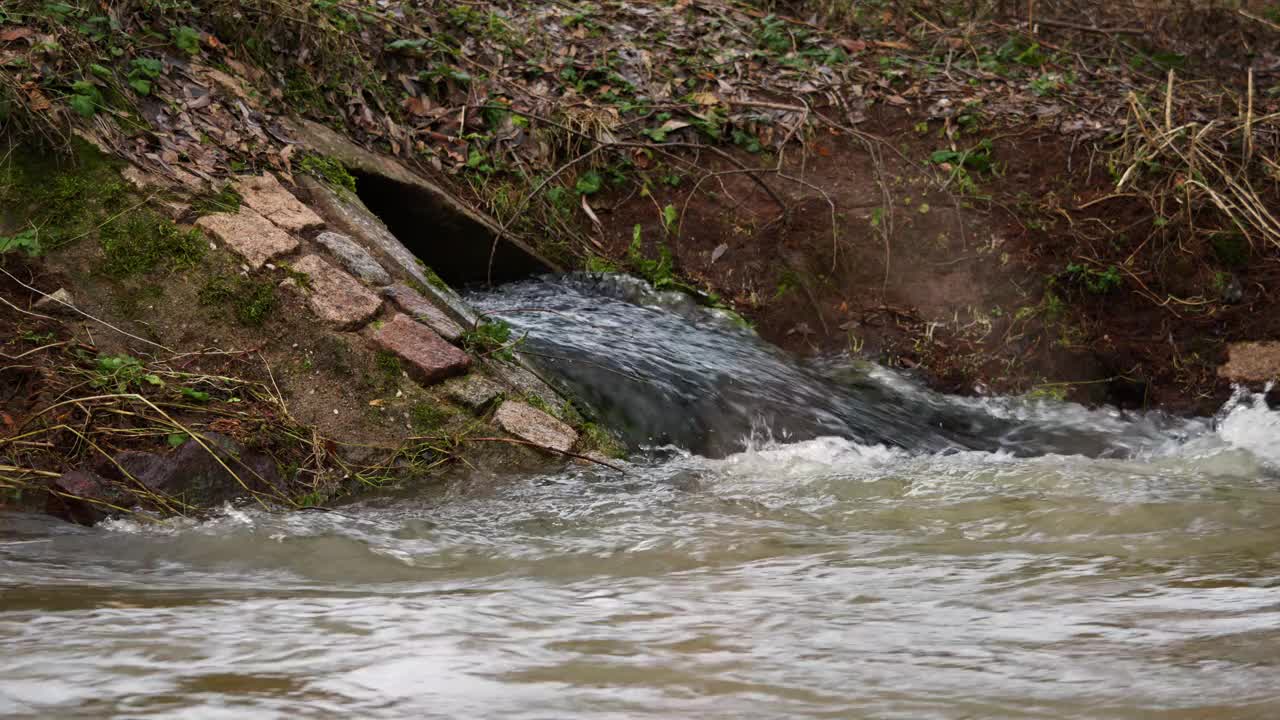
(249, 300)
(227, 200)
(120, 373)
(1097, 282)
(491, 336)
(144, 241)
(27, 241)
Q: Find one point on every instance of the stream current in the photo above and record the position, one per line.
(788, 541)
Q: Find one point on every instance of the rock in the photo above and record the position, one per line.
(58, 302)
(529, 423)
(354, 258)
(193, 475)
(347, 212)
(430, 358)
(250, 235)
(473, 391)
(412, 303)
(525, 382)
(336, 297)
(1252, 362)
(265, 194)
(81, 497)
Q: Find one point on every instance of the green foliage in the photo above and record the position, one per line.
(250, 301)
(1018, 50)
(65, 200)
(143, 241)
(660, 272)
(186, 39)
(597, 264)
(669, 217)
(121, 373)
(142, 72)
(1097, 282)
(330, 170)
(491, 336)
(589, 183)
(85, 98)
(27, 241)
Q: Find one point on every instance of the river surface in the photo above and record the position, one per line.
(816, 575)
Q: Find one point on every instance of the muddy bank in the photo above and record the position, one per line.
(273, 344)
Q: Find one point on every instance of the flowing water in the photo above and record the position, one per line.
(1073, 564)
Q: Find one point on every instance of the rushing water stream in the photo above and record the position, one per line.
(900, 566)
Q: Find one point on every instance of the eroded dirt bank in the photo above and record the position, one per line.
(1079, 203)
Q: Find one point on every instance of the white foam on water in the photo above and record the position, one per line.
(1246, 422)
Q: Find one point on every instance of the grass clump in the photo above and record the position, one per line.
(249, 300)
(489, 337)
(144, 241)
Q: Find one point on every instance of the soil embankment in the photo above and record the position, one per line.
(1000, 202)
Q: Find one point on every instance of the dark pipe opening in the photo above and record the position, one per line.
(453, 244)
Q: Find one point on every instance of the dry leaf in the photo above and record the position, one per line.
(15, 34)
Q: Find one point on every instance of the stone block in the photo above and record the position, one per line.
(265, 194)
(336, 297)
(1252, 362)
(248, 234)
(430, 358)
(354, 258)
(473, 391)
(531, 424)
(412, 303)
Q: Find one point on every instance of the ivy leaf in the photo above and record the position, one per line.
(101, 71)
(153, 379)
(176, 439)
(196, 395)
(140, 86)
(589, 184)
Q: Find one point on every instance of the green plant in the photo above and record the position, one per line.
(120, 373)
(1097, 282)
(143, 241)
(249, 300)
(27, 241)
(660, 272)
(389, 365)
(491, 336)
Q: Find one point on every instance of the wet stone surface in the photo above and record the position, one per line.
(529, 423)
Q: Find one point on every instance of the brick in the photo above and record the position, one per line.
(412, 303)
(430, 358)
